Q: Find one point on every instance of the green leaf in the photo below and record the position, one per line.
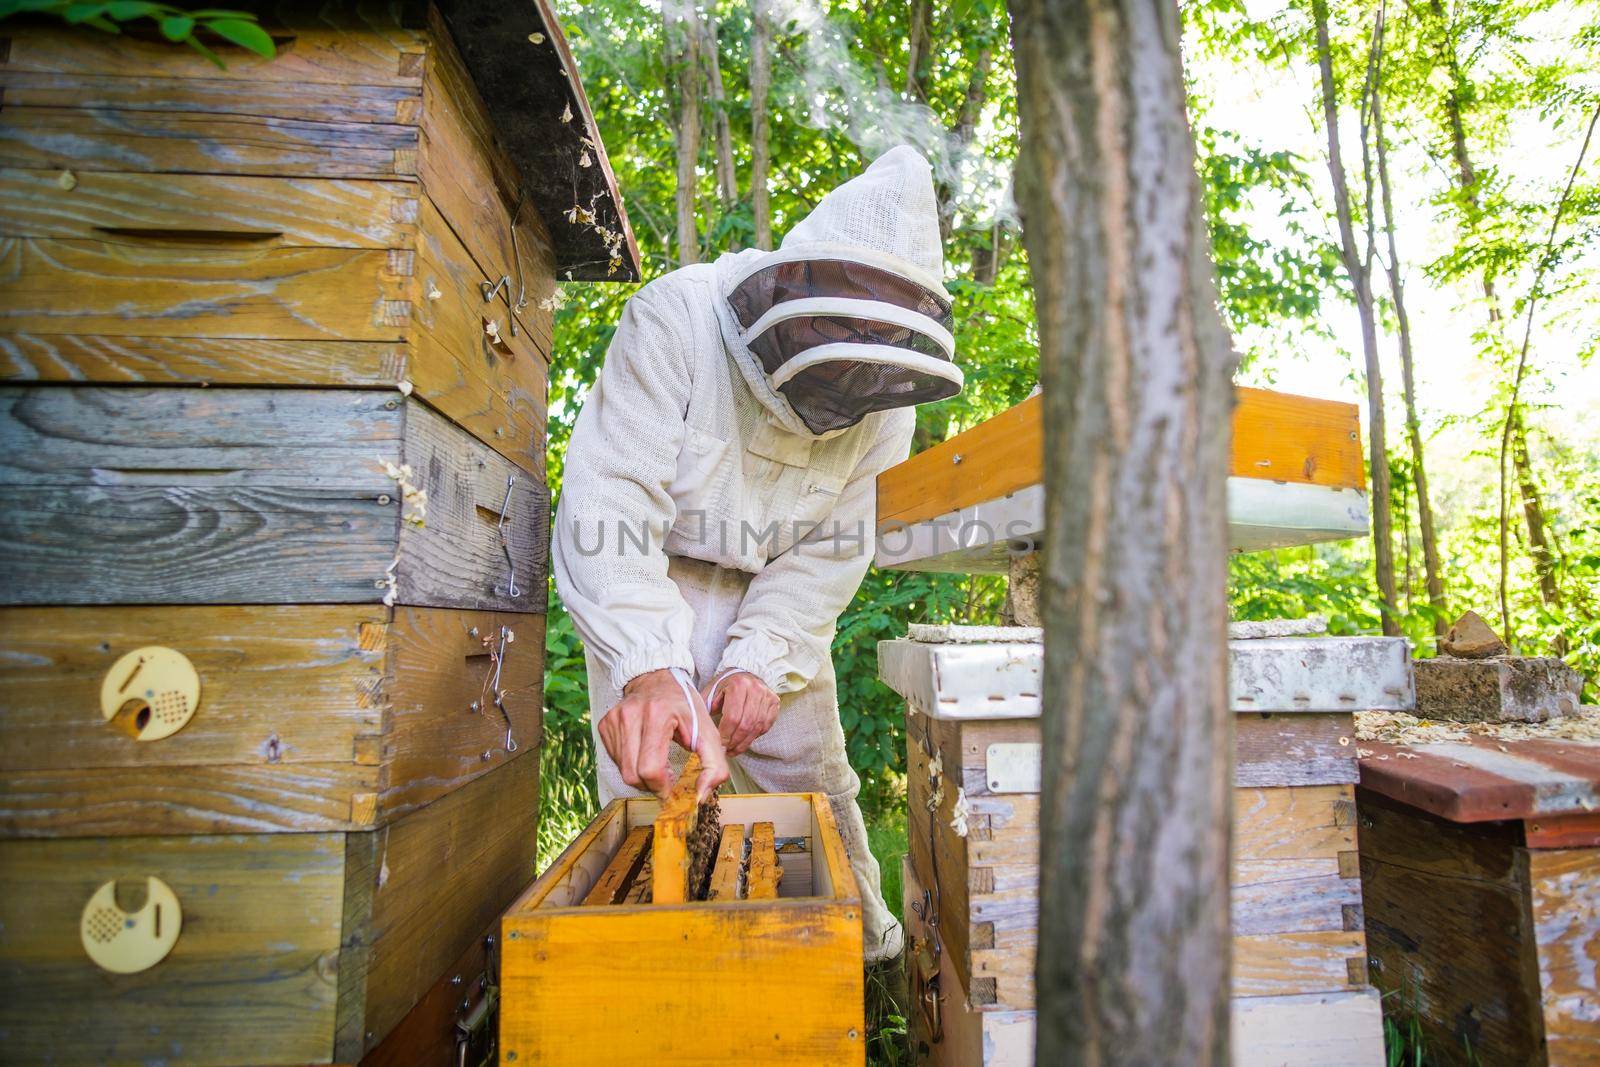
(244, 34)
(177, 27)
(127, 10)
(76, 13)
(194, 42)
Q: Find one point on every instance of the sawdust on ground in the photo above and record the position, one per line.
(1399, 728)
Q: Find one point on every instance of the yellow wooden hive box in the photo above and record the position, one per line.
(774, 982)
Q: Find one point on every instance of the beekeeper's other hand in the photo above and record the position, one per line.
(656, 710)
(749, 708)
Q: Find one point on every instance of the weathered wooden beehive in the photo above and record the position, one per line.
(973, 697)
(1480, 867)
(275, 343)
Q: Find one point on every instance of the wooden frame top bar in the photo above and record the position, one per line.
(1277, 437)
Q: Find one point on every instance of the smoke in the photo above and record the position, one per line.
(840, 95)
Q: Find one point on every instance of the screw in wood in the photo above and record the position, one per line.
(383, 498)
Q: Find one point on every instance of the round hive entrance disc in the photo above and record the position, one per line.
(151, 692)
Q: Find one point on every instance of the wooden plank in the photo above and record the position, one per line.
(730, 856)
(311, 718)
(1563, 831)
(1431, 889)
(1275, 436)
(763, 873)
(1320, 902)
(330, 46)
(476, 188)
(434, 742)
(497, 390)
(269, 212)
(1486, 779)
(251, 978)
(58, 138)
(131, 801)
(1297, 749)
(1309, 1030)
(1293, 823)
(1297, 962)
(279, 686)
(200, 360)
(306, 101)
(457, 558)
(427, 1036)
(444, 873)
(141, 287)
(251, 496)
(617, 878)
(669, 853)
(1564, 894)
(689, 976)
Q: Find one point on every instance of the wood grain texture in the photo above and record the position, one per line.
(434, 742)
(311, 718)
(1564, 895)
(1294, 846)
(674, 824)
(497, 390)
(151, 288)
(477, 189)
(1450, 928)
(306, 101)
(251, 978)
(730, 858)
(763, 872)
(1275, 436)
(427, 1036)
(362, 45)
(1562, 831)
(441, 874)
(58, 138)
(1289, 962)
(267, 212)
(618, 876)
(246, 496)
(200, 360)
(1310, 748)
(457, 558)
(1313, 1030)
(776, 982)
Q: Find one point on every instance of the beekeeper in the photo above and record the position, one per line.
(719, 498)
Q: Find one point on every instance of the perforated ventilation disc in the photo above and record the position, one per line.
(125, 943)
(152, 692)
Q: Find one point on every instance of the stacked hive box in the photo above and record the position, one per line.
(1480, 866)
(274, 526)
(1299, 984)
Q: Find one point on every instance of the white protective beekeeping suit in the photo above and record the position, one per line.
(719, 494)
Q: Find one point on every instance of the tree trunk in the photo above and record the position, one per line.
(727, 176)
(1467, 178)
(760, 86)
(681, 24)
(919, 49)
(1134, 947)
(1539, 541)
(1419, 475)
(1360, 274)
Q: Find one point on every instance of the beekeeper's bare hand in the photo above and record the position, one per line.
(639, 731)
(748, 706)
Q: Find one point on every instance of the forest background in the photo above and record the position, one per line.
(1442, 273)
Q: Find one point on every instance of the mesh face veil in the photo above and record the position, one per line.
(842, 339)
(850, 316)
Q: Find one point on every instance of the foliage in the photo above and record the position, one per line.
(175, 24)
(842, 92)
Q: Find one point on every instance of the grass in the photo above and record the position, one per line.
(888, 1044)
